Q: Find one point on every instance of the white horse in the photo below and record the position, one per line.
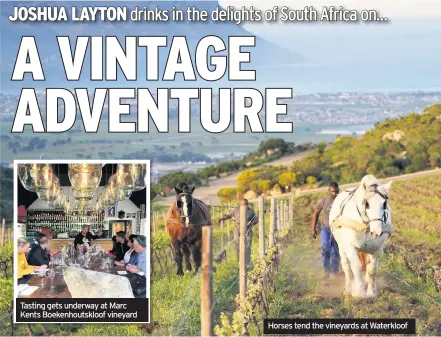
(361, 222)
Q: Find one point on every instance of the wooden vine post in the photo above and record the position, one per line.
(2, 237)
(279, 214)
(222, 227)
(262, 227)
(242, 251)
(228, 222)
(273, 222)
(291, 211)
(207, 282)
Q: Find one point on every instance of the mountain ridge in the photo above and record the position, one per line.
(263, 54)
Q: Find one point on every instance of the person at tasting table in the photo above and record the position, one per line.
(38, 255)
(139, 246)
(130, 257)
(121, 246)
(37, 237)
(23, 268)
(79, 239)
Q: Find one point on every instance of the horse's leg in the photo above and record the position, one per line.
(357, 282)
(346, 266)
(197, 257)
(177, 255)
(371, 275)
(186, 252)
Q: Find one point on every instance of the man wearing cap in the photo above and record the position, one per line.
(139, 245)
(251, 219)
(38, 255)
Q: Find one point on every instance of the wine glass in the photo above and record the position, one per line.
(52, 275)
(42, 274)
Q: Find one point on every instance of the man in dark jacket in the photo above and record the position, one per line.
(251, 219)
(38, 255)
(121, 246)
(85, 234)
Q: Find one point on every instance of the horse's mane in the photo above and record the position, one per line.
(369, 180)
(173, 213)
(201, 213)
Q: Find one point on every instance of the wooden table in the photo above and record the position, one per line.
(61, 290)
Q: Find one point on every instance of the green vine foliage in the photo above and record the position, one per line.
(7, 291)
(161, 240)
(6, 252)
(247, 308)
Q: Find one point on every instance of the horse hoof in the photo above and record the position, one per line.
(358, 295)
(180, 273)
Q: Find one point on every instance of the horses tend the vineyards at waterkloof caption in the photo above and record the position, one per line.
(361, 222)
(184, 221)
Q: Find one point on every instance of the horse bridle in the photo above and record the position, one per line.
(178, 199)
(364, 216)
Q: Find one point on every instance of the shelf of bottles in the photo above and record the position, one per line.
(61, 222)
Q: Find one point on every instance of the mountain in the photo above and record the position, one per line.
(263, 54)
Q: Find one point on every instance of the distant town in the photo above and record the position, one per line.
(317, 117)
(317, 108)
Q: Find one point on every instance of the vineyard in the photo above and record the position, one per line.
(286, 281)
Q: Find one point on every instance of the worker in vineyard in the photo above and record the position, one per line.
(329, 247)
(251, 219)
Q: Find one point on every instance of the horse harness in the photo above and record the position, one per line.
(364, 217)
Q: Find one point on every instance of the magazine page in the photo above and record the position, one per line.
(220, 168)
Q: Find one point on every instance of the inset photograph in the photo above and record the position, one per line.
(82, 229)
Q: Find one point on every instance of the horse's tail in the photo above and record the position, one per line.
(363, 259)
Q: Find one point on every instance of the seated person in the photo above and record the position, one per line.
(139, 245)
(39, 256)
(37, 237)
(131, 257)
(23, 268)
(121, 246)
(85, 234)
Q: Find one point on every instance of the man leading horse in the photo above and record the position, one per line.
(329, 247)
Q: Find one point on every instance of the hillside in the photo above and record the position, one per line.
(405, 145)
(394, 147)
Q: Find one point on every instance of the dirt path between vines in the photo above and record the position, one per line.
(301, 292)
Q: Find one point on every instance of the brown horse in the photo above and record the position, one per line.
(184, 221)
